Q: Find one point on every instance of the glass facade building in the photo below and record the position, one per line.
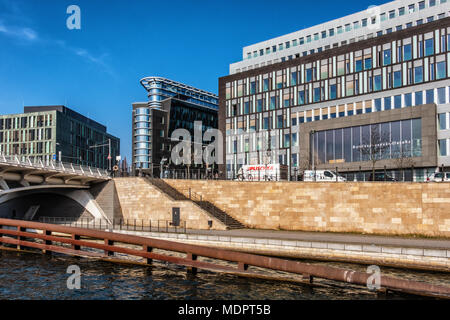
(46, 132)
(404, 68)
(387, 140)
(172, 105)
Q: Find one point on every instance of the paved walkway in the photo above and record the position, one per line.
(331, 237)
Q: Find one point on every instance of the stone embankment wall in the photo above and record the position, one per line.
(370, 207)
(142, 201)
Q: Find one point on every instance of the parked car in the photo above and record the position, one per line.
(437, 177)
(322, 176)
(380, 176)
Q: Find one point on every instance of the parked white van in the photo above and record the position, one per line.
(439, 177)
(322, 176)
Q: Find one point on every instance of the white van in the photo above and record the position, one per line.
(437, 177)
(322, 176)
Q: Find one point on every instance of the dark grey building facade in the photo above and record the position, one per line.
(57, 133)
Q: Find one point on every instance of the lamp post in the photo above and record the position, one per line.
(312, 153)
(109, 151)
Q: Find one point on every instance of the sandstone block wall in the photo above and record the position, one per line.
(370, 207)
(141, 200)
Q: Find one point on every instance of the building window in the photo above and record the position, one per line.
(432, 3)
(316, 94)
(442, 119)
(441, 70)
(443, 148)
(408, 100)
(367, 63)
(397, 102)
(397, 79)
(421, 5)
(429, 96)
(293, 78)
(301, 97)
(266, 85)
(387, 103)
(364, 22)
(407, 52)
(259, 105)
(419, 98)
(387, 57)
(333, 91)
(418, 74)
(273, 103)
(246, 107)
(377, 105)
(377, 83)
(441, 95)
(429, 47)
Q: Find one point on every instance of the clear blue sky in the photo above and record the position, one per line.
(96, 70)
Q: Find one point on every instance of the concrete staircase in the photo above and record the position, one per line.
(207, 206)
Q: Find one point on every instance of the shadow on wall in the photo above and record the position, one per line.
(50, 205)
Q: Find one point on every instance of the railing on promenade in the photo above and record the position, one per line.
(76, 241)
(64, 167)
(143, 225)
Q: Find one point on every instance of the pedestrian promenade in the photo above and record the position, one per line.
(415, 242)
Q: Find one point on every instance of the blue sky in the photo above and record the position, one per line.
(96, 70)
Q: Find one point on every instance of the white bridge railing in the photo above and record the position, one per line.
(50, 165)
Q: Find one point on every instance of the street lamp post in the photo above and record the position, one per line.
(109, 151)
(312, 154)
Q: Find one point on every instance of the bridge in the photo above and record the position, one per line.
(30, 187)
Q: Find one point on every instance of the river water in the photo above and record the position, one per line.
(37, 276)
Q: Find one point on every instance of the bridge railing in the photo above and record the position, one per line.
(143, 225)
(66, 167)
(100, 244)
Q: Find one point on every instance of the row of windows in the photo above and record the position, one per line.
(25, 122)
(345, 42)
(370, 59)
(354, 85)
(348, 27)
(270, 120)
(26, 135)
(26, 148)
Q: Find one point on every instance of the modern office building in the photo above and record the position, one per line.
(57, 133)
(171, 106)
(367, 90)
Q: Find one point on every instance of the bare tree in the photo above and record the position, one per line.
(403, 160)
(374, 146)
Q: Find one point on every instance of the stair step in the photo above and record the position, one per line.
(212, 210)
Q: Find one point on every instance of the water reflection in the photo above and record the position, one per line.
(35, 276)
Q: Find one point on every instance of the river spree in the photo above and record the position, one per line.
(37, 276)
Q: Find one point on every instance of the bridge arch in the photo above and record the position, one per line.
(53, 200)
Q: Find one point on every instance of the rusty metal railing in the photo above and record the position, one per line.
(51, 238)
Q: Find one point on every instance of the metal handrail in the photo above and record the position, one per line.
(21, 234)
(145, 225)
